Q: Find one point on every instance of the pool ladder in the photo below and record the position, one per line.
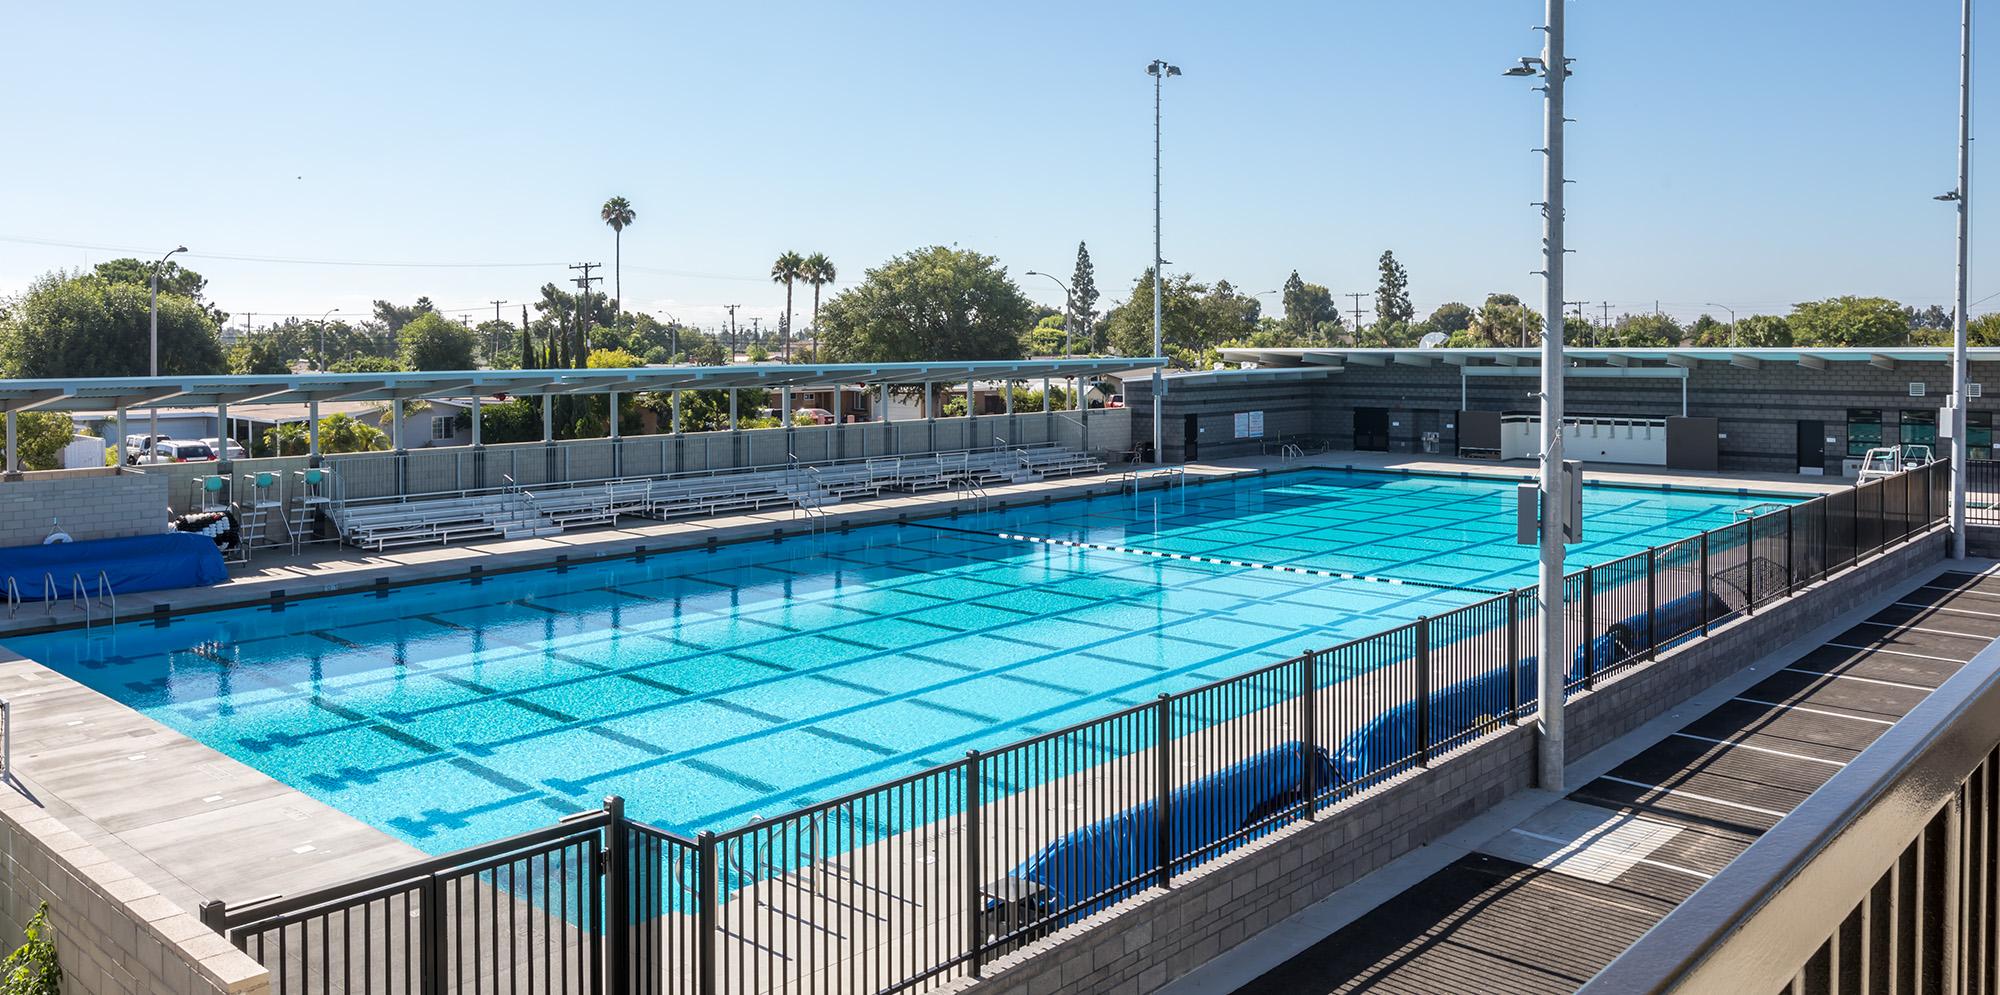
(80, 597)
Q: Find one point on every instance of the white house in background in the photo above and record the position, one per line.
(436, 425)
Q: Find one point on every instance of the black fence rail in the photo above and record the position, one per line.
(1887, 879)
(1982, 491)
(918, 882)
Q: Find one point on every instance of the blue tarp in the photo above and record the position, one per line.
(1388, 743)
(1112, 853)
(136, 563)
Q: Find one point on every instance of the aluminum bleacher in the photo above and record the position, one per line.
(523, 512)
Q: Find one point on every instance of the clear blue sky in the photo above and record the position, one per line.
(1752, 154)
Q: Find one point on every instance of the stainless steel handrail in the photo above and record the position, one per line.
(79, 596)
(106, 595)
(49, 596)
(13, 596)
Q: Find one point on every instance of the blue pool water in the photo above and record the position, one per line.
(710, 686)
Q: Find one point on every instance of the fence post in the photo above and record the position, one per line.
(1881, 518)
(1750, 566)
(1589, 642)
(1791, 565)
(212, 913)
(1652, 602)
(1423, 664)
(975, 939)
(1309, 735)
(1163, 804)
(705, 897)
(617, 896)
(1705, 586)
(431, 962)
(1513, 656)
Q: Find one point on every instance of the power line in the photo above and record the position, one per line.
(1357, 308)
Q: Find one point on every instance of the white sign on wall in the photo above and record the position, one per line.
(1250, 424)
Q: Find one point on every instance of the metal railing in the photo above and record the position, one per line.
(6, 737)
(928, 878)
(1982, 491)
(1883, 880)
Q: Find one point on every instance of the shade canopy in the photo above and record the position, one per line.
(102, 393)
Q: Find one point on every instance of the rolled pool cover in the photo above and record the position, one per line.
(134, 563)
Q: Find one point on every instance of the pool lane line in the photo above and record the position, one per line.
(1218, 561)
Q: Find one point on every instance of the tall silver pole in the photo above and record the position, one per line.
(1159, 436)
(1552, 655)
(1959, 449)
(153, 322)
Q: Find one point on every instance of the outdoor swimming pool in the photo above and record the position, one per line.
(710, 686)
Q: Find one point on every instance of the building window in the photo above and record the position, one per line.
(1979, 434)
(443, 427)
(1918, 428)
(1864, 430)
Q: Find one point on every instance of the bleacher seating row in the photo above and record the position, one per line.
(527, 512)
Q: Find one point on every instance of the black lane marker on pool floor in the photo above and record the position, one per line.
(1217, 561)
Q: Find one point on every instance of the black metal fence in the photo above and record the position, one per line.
(925, 879)
(1982, 491)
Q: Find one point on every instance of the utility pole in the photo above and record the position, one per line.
(498, 344)
(1552, 652)
(1357, 314)
(1578, 305)
(756, 330)
(732, 330)
(580, 356)
(1605, 325)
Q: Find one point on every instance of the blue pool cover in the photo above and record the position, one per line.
(135, 563)
(1095, 863)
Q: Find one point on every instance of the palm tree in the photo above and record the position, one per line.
(617, 212)
(819, 272)
(789, 268)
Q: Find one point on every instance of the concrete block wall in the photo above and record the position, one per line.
(114, 934)
(89, 504)
(1758, 410)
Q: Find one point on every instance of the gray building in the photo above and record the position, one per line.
(1806, 410)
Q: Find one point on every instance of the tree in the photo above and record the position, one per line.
(934, 303)
(1849, 321)
(368, 364)
(290, 438)
(1195, 319)
(1046, 338)
(340, 433)
(40, 437)
(1083, 298)
(617, 212)
(1311, 316)
(818, 271)
(613, 359)
(393, 316)
(1449, 318)
(1502, 322)
(1764, 331)
(1647, 331)
(757, 353)
(85, 326)
(1392, 297)
(431, 342)
(789, 267)
(260, 355)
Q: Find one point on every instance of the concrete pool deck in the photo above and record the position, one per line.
(196, 824)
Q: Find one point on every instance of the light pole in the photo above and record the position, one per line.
(673, 335)
(1552, 655)
(153, 321)
(322, 337)
(1732, 321)
(1961, 198)
(1069, 308)
(1160, 71)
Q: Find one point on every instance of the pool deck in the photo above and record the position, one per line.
(196, 824)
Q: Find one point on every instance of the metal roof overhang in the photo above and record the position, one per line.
(1811, 359)
(104, 393)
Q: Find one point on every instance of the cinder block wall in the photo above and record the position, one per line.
(1758, 410)
(1150, 940)
(89, 504)
(114, 934)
